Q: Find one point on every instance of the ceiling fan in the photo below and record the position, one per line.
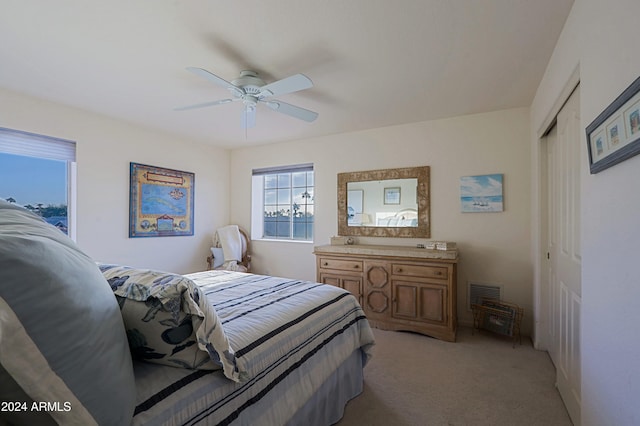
(251, 90)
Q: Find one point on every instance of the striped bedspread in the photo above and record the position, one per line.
(289, 337)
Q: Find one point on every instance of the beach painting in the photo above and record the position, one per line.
(481, 193)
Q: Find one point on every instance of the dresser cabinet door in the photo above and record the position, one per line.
(353, 284)
(419, 301)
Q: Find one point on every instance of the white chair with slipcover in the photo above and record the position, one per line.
(230, 250)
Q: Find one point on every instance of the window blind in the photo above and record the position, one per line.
(17, 142)
(307, 167)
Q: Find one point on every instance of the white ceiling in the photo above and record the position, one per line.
(374, 63)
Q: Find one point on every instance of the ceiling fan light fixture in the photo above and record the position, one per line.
(250, 101)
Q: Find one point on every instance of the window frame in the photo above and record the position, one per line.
(259, 203)
(26, 144)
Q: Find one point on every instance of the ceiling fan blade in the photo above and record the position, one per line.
(205, 104)
(286, 85)
(292, 110)
(248, 117)
(217, 80)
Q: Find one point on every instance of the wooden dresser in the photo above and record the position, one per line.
(399, 288)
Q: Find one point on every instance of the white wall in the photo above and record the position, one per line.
(601, 38)
(105, 147)
(494, 247)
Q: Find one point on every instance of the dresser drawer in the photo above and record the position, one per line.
(439, 273)
(340, 264)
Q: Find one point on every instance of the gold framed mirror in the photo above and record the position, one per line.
(384, 203)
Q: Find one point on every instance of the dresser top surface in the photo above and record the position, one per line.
(382, 250)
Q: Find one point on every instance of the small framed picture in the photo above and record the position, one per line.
(632, 119)
(482, 193)
(392, 195)
(614, 136)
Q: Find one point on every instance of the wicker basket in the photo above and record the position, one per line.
(498, 317)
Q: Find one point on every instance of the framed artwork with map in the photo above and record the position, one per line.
(160, 202)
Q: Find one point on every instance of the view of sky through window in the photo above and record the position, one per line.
(33, 181)
(37, 184)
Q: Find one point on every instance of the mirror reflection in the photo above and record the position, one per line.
(391, 202)
(384, 203)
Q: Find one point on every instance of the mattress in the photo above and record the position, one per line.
(302, 345)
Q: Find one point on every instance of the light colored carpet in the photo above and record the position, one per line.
(479, 380)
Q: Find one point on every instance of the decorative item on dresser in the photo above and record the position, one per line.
(399, 288)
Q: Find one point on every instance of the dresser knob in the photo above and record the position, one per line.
(326, 264)
(399, 269)
(355, 266)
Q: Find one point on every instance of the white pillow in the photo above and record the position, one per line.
(218, 257)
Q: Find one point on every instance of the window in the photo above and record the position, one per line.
(38, 173)
(283, 203)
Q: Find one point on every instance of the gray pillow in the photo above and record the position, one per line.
(62, 339)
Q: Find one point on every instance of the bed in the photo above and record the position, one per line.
(306, 345)
(276, 351)
(405, 217)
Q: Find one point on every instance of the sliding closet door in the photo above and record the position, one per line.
(564, 254)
